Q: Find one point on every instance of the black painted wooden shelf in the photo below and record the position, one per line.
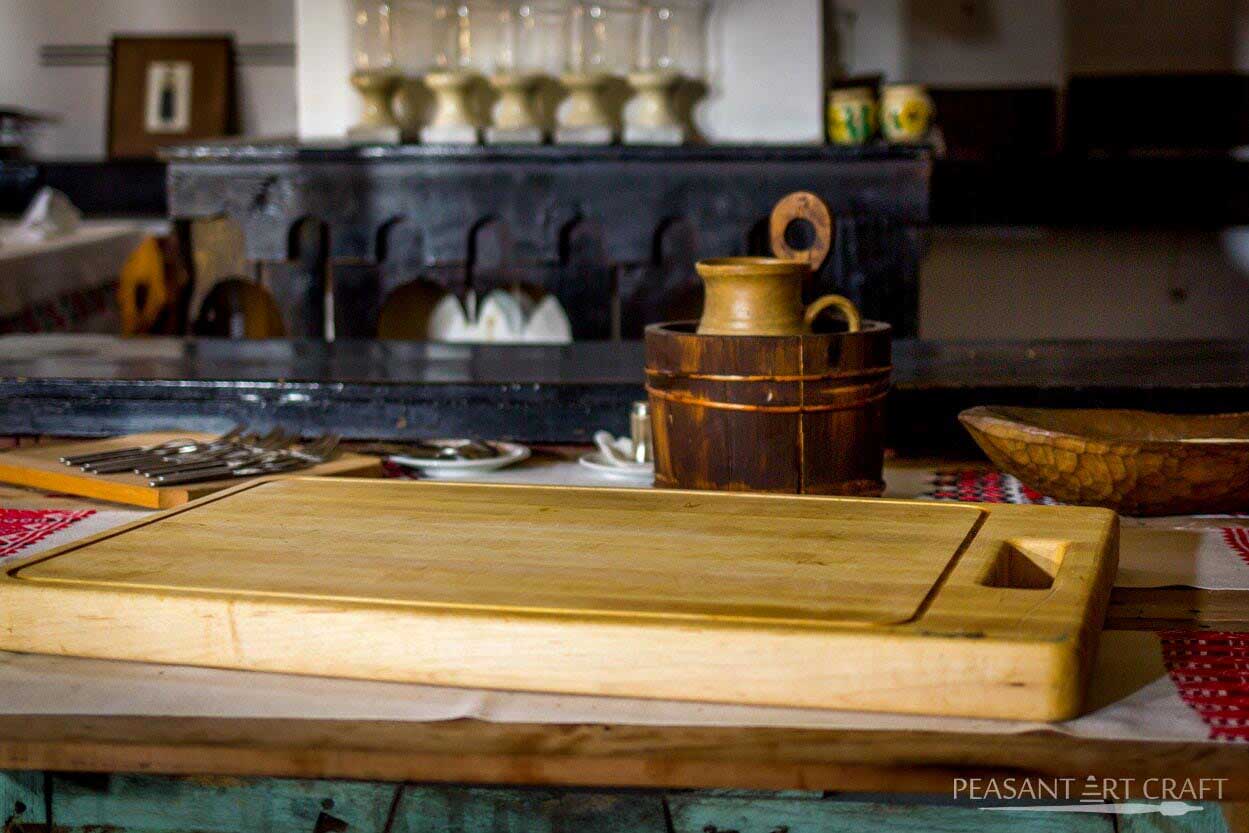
(95, 385)
(611, 231)
(243, 150)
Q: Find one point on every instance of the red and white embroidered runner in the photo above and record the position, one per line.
(1237, 539)
(28, 531)
(20, 528)
(982, 486)
(1211, 671)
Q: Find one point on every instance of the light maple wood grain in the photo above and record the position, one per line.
(39, 467)
(764, 599)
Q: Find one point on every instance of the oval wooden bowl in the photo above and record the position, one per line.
(1135, 462)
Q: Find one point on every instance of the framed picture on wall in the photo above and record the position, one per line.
(169, 89)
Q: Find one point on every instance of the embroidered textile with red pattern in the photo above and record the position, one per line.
(983, 486)
(1211, 671)
(19, 528)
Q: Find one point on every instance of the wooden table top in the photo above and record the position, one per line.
(626, 756)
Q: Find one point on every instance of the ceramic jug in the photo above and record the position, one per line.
(762, 296)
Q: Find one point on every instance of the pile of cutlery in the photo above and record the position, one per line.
(236, 453)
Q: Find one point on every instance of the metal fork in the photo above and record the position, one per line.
(254, 448)
(169, 446)
(114, 465)
(143, 461)
(314, 453)
(245, 446)
(260, 454)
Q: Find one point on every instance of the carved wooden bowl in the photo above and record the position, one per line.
(1134, 462)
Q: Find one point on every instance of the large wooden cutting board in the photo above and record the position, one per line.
(765, 599)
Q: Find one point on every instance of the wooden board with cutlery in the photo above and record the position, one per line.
(39, 467)
(907, 606)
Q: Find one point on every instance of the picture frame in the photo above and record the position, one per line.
(169, 89)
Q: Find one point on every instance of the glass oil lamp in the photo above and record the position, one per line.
(455, 30)
(411, 26)
(373, 71)
(669, 50)
(601, 43)
(529, 46)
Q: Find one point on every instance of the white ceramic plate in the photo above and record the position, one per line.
(637, 472)
(511, 454)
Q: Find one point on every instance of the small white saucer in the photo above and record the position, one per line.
(510, 454)
(636, 472)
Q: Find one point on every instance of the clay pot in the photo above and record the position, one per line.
(762, 296)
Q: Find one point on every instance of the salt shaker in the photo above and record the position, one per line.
(640, 432)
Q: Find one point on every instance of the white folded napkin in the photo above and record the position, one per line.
(502, 317)
(49, 215)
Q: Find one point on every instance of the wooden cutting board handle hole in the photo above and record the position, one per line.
(1025, 565)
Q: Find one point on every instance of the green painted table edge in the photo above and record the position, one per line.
(137, 803)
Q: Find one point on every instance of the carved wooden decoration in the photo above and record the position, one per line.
(802, 207)
(298, 283)
(524, 216)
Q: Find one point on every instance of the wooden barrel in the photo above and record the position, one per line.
(794, 414)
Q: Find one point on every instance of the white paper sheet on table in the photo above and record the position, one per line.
(1151, 557)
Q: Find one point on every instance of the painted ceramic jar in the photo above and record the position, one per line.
(852, 116)
(906, 113)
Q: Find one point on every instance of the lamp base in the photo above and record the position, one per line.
(452, 122)
(513, 111)
(412, 103)
(582, 119)
(377, 121)
(450, 134)
(584, 136)
(375, 135)
(650, 118)
(641, 135)
(514, 136)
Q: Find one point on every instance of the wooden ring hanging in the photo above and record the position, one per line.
(802, 205)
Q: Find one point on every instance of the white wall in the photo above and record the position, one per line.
(327, 104)
(1131, 36)
(79, 94)
(953, 43)
(1025, 283)
(765, 70)
(995, 43)
(874, 36)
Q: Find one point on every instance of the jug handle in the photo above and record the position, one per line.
(802, 205)
(854, 321)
